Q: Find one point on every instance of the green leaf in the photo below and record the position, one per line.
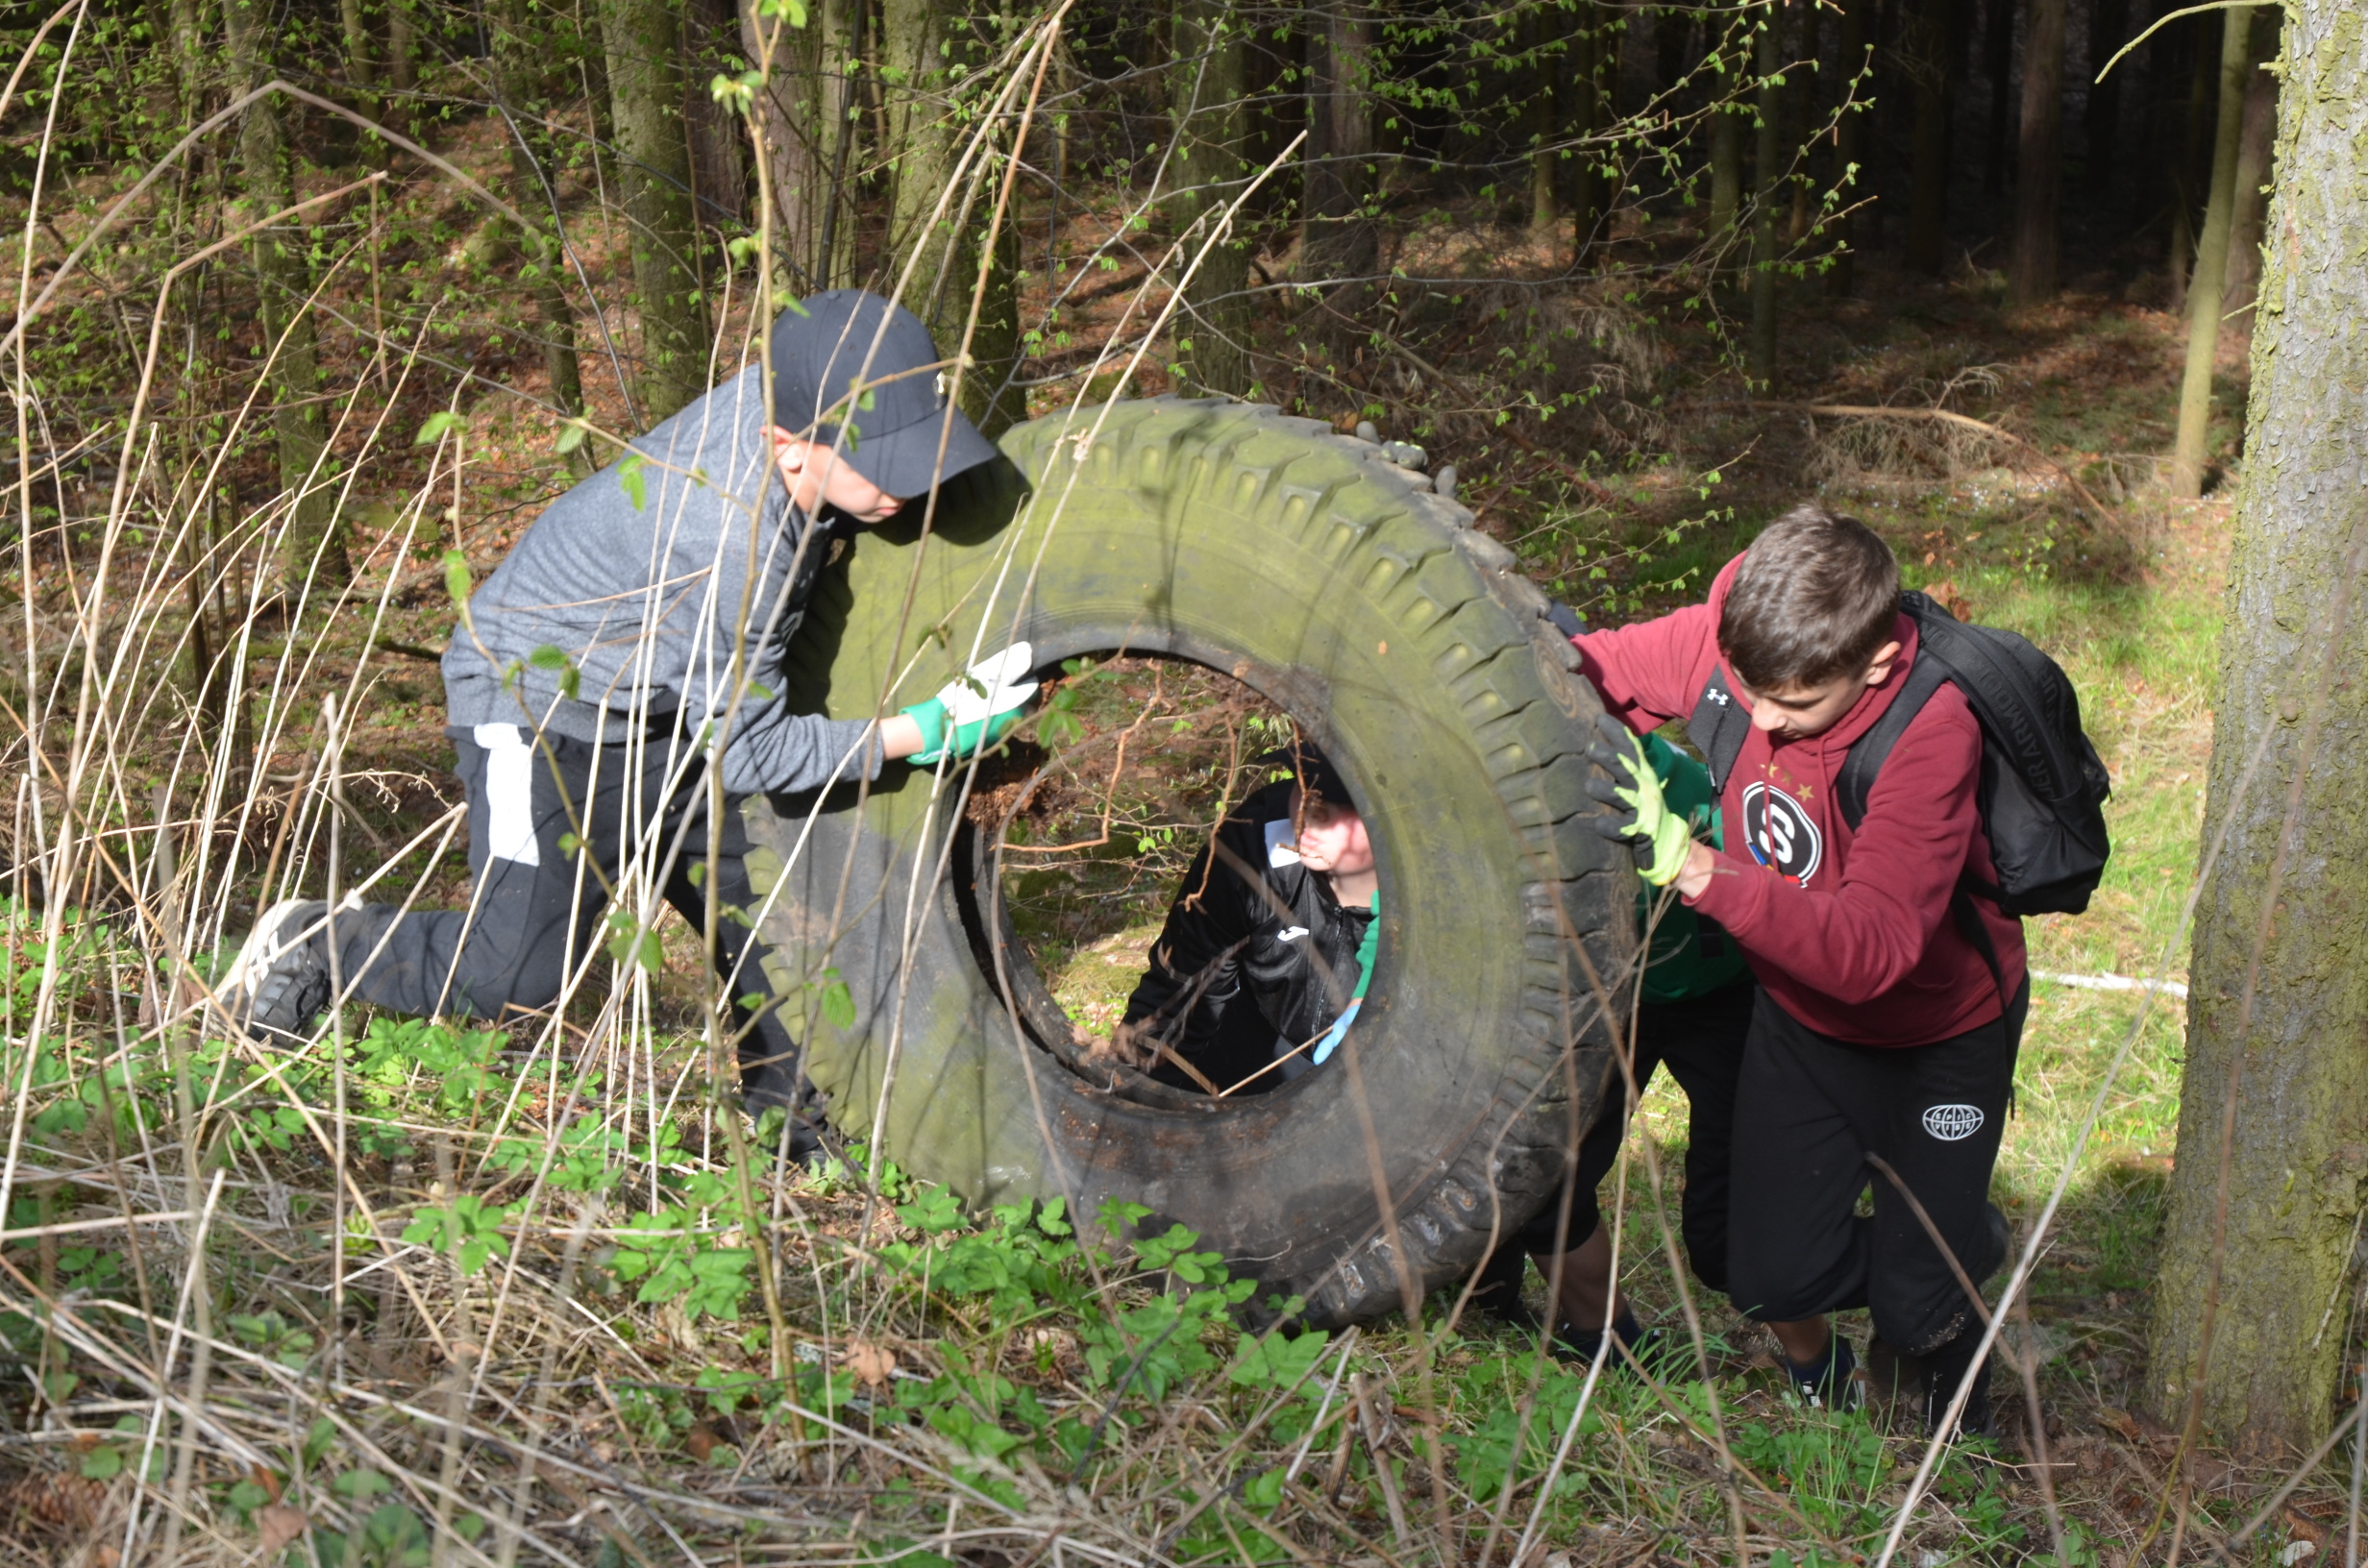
(360, 1484)
(104, 1462)
(572, 435)
(838, 1003)
(457, 580)
(629, 475)
(1273, 1361)
(439, 423)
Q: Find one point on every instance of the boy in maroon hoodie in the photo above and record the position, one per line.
(1891, 994)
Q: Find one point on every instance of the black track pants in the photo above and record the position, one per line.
(1813, 1110)
(1701, 1041)
(538, 907)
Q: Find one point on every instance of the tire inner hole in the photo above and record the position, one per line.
(1103, 818)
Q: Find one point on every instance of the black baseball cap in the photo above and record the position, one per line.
(824, 347)
(1313, 770)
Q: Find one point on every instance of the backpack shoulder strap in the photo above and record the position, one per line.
(1718, 729)
(1867, 752)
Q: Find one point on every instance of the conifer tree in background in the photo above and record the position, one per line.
(1341, 241)
(1931, 27)
(518, 58)
(2038, 165)
(316, 545)
(2253, 1297)
(646, 96)
(927, 50)
(2208, 285)
(1208, 84)
(1768, 155)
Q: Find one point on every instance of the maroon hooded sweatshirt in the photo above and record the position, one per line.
(1849, 932)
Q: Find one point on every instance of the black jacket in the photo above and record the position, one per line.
(1257, 956)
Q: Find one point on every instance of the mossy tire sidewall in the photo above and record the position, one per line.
(1301, 563)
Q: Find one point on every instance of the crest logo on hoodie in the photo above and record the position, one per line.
(1779, 833)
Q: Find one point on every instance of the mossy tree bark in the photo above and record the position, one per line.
(2254, 1292)
(2038, 162)
(315, 541)
(2209, 279)
(644, 43)
(1208, 93)
(928, 51)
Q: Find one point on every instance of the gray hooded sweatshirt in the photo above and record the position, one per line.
(648, 602)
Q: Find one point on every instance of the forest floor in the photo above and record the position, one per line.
(985, 1389)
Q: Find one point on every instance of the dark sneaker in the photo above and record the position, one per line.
(1497, 1293)
(1944, 1370)
(1634, 1349)
(1832, 1385)
(280, 984)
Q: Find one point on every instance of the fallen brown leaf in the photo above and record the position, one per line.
(282, 1526)
(874, 1363)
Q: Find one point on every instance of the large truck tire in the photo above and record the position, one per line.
(1406, 644)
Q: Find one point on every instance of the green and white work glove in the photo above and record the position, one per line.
(1659, 835)
(976, 709)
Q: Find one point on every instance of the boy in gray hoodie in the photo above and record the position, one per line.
(633, 639)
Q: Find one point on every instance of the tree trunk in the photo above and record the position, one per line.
(1801, 104)
(1771, 170)
(2108, 27)
(1726, 172)
(2253, 168)
(315, 539)
(1998, 58)
(719, 154)
(1550, 60)
(1209, 85)
(2038, 175)
(1849, 138)
(1586, 119)
(519, 55)
(926, 53)
(2189, 175)
(654, 174)
(801, 114)
(360, 70)
(401, 69)
(1341, 240)
(1928, 196)
(2209, 279)
(2250, 1300)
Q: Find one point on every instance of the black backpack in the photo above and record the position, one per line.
(2043, 788)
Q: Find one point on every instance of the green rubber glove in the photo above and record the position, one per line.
(976, 710)
(1658, 836)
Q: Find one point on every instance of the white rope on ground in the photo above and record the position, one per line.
(2111, 982)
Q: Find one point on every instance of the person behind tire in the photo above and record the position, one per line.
(1693, 1010)
(632, 641)
(1269, 947)
(1891, 987)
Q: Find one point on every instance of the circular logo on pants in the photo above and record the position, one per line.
(1952, 1122)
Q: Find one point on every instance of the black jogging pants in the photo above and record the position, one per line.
(1701, 1041)
(1811, 1110)
(538, 905)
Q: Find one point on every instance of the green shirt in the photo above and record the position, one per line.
(1689, 956)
